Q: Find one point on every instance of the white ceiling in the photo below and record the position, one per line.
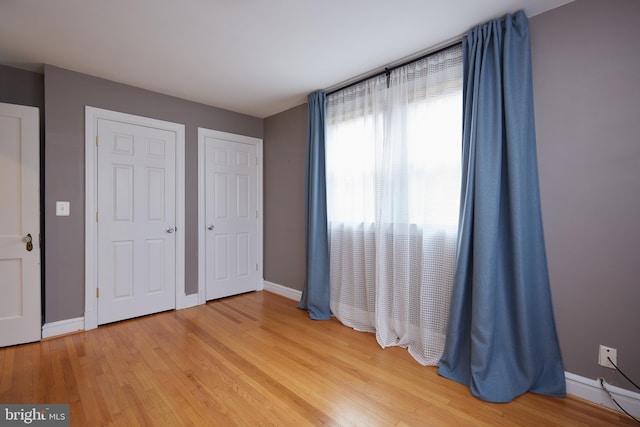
(257, 57)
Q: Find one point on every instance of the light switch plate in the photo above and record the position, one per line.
(62, 208)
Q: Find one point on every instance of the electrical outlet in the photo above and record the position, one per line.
(607, 352)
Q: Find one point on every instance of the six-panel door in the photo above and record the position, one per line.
(231, 212)
(136, 220)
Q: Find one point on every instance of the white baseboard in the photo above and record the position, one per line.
(588, 389)
(284, 291)
(188, 301)
(62, 327)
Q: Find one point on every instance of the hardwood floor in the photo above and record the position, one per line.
(253, 360)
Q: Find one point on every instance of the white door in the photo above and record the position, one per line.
(136, 220)
(20, 311)
(231, 218)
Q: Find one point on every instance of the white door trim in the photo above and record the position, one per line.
(92, 115)
(202, 134)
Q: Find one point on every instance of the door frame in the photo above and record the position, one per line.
(204, 133)
(92, 115)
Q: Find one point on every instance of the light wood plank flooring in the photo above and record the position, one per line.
(252, 360)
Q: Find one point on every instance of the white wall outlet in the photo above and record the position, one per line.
(607, 352)
(62, 208)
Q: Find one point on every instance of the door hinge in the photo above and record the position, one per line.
(96, 216)
(97, 292)
(256, 214)
(97, 141)
(256, 266)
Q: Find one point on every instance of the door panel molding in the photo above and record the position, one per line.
(203, 134)
(92, 115)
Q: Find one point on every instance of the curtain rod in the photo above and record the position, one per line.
(387, 70)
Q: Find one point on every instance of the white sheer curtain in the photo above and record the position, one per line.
(393, 186)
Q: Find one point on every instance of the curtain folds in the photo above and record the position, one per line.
(501, 337)
(315, 295)
(393, 179)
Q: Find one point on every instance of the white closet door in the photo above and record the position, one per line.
(20, 310)
(137, 220)
(231, 218)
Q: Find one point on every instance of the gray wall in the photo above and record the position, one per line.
(586, 71)
(285, 151)
(21, 87)
(66, 95)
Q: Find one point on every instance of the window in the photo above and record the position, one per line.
(393, 156)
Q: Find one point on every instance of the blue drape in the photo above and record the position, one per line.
(315, 296)
(501, 336)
